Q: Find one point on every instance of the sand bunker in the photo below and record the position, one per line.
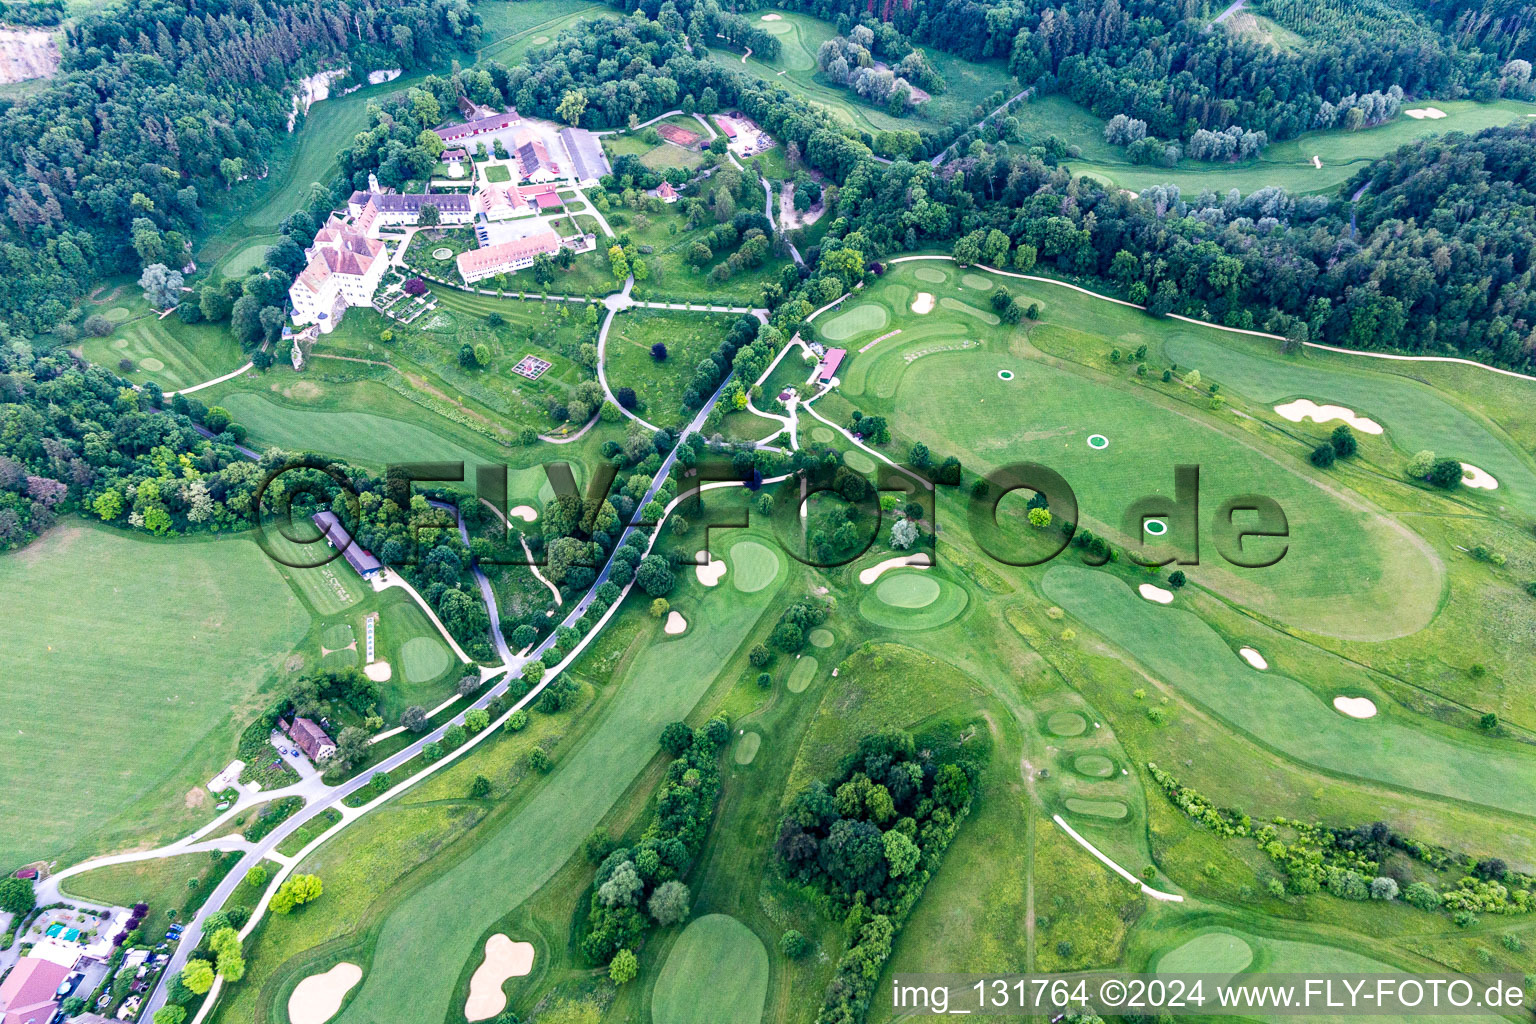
(923, 304)
(1154, 593)
(1306, 409)
(917, 561)
(773, 17)
(378, 671)
(525, 512)
(709, 574)
(675, 624)
(1420, 113)
(1356, 707)
(503, 959)
(1471, 476)
(1254, 658)
(316, 999)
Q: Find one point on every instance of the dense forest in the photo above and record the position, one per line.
(156, 105)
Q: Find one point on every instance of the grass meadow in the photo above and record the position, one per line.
(196, 626)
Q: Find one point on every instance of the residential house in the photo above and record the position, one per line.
(500, 201)
(29, 993)
(312, 739)
(666, 193)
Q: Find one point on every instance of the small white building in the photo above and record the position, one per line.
(344, 270)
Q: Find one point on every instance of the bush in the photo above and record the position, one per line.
(1422, 896)
(517, 721)
(794, 945)
(415, 718)
(98, 326)
(1323, 456)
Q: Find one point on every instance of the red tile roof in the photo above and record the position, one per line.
(26, 997)
(479, 261)
(310, 737)
(830, 363)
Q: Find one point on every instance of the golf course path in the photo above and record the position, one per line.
(1157, 894)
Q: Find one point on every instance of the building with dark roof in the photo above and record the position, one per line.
(405, 207)
(588, 161)
(337, 537)
(534, 162)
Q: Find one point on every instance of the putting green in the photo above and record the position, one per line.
(746, 747)
(337, 636)
(801, 675)
(1066, 723)
(116, 314)
(753, 566)
(858, 461)
(821, 638)
(716, 973)
(822, 435)
(934, 609)
(986, 284)
(423, 659)
(933, 275)
(908, 590)
(1213, 952)
(1112, 809)
(244, 260)
(149, 364)
(1095, 766)
(865, 317)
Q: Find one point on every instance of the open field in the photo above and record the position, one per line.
(512, 27)
(1287, 164)
(688, 337)
(177, 637)
(174, 887)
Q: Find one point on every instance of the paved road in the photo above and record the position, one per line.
(487, 592)
(941, 157)
(772, 223)
(1236, 6)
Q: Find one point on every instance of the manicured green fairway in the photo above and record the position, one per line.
(858, 461)
(717, 973)
(425, 940)
(170, 353)
(864, 317)
(1348, 570)
(423, 659)
(1287, 164)
(801, 675)
(1282, 713)
(172, 638)
(348, 434)
(753, 566)
(1415, 415)
(821, 638)
(329, 588)
(912, 600)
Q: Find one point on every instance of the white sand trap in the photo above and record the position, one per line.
(1254, 658)
(503, 959)
(316, 999)
(1306, 409)
(923, 303)
(1317, 162)
(1420, 113)
(1471, 476)
(1155, 593)
(378, 671)
(874, 572)
(526, 513)
(710, 574)
(675, 624)
(1356, 707)
(773, 17)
